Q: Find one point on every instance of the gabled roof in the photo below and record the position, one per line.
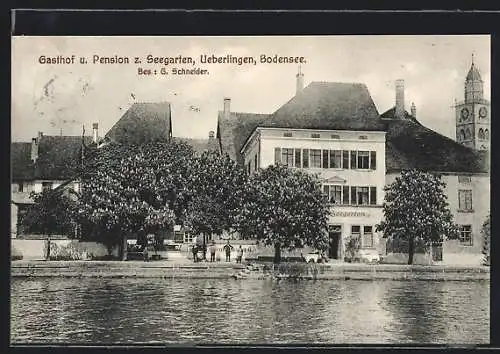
(233, 131)
(329, 106)
(409, 145)
(20, 159)
(143, 122)
(59, 157)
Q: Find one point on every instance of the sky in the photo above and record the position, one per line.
(61, 98)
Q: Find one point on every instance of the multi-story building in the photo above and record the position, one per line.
(46, 163)
(335, 131)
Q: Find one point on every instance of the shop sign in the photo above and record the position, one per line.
(350, 213)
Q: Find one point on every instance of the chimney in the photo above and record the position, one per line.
(300, 81)
(400, 99)
(34, 149)
(413, 110)
(95, 136)
(227, 107)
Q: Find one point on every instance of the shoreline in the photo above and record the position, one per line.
(222, 270)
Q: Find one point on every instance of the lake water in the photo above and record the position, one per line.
(123, 311)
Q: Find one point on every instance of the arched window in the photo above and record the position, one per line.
(468, 134)
(480, 134)
(486, 134)
(461, 135)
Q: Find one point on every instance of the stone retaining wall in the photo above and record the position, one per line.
(228, 270)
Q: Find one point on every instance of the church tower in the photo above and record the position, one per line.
(473, 114)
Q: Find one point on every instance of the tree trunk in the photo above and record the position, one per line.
(47, 253)
(411, 250)
(277, 253)
(204, 247)
(124, 248)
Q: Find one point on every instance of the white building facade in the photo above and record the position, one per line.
(351, 167)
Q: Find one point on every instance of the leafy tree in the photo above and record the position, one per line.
(486, 231)
(285, 208)
(416, 210)
(216, 186)
(51, 213)
(132, 187)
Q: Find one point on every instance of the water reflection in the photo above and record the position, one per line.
(229, 311)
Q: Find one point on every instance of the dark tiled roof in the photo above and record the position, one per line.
(199, 145)
(234, 130)
(329, 106)
(143, 122)
(59, 157)
(390, 114)
(409, 145)
(21, 164)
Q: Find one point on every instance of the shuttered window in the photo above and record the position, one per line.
(277, 155)
(373, 160)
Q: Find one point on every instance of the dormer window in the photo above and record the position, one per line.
(287, 134)
(315, 135)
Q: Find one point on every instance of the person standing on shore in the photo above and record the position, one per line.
(227, 248)
(212, 251)
(239, 255)
(194, 249)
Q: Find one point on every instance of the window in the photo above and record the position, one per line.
(353, 195)
(373, 160)
(336, 195)
(345, 192)
(188, 238)
(367, 240)
(20, 187)
(315, 158)
(335, 158)
(461, 135)
(373, 195)
(46, 186)
(305, 158)
(480, 134)
(486, 134)
(466, 235)
(464, 179)
(326, 155)
(298, 162)
(315, 135)
(468, 135)
(362, 195)
(465, 199)
(287, 134)
(353, 160)
(326, 191)
(363, 137)
(335, 136)
(345, 159)
(363, 160)
(277, 155)
(356, 231)
(287, 157)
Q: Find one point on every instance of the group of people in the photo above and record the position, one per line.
(213, 249)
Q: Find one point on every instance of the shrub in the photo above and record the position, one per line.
(16, 255)
(352, 249)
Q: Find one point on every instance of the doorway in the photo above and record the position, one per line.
(334, 235)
